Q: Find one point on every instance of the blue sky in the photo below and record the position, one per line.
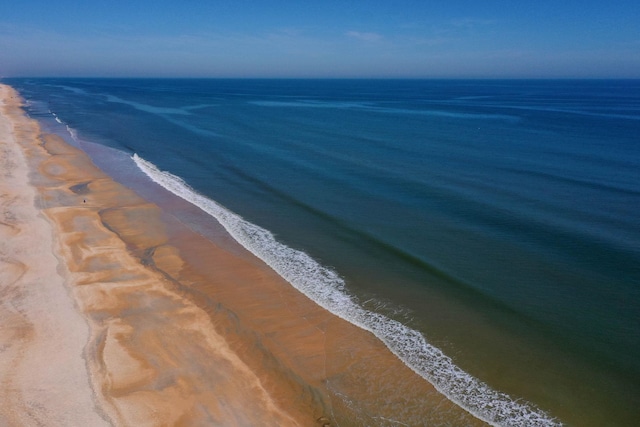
(237, 38)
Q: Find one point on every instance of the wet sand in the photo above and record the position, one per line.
(128, 317)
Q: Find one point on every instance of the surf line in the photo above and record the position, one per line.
(327, 289)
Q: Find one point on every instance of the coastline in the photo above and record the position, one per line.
(186, 332)
(43, 375)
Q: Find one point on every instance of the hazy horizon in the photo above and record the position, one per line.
(331, 39)
(151, 77)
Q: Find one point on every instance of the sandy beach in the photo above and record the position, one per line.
(43, 371)
(112, 312)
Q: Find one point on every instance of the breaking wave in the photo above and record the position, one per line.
(325, 287)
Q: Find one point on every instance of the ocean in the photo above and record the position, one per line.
(487, 231)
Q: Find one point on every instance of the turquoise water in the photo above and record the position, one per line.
(497, 218)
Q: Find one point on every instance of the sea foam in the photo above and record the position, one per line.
(72, 131)
(326, 288)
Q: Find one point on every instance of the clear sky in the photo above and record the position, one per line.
(308, 38)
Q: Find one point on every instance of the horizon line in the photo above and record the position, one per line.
(308, 78)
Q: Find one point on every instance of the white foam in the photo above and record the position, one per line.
(72, 132)
(55, 116)
(325, 287)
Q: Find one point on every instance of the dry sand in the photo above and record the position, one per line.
(43, 374)
(112, 312)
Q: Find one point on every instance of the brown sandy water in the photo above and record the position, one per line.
(186, 331)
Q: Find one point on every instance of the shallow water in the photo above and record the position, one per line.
(498, 218)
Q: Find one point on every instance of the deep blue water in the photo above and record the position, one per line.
(498, 218)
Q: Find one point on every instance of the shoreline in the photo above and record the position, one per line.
(186, 332)
(43, 374)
